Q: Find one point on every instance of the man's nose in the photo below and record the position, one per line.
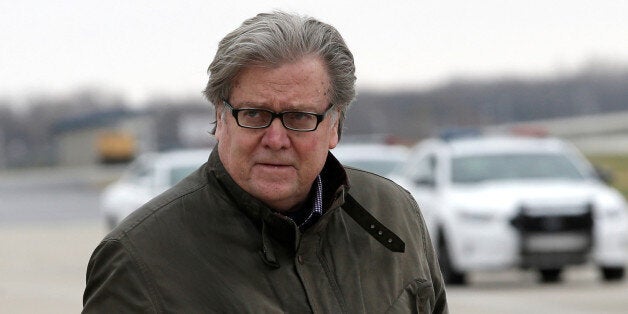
(276, 136)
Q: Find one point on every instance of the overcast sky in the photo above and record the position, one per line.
(140, 48)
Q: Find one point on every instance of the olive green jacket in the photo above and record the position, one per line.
(207, 246)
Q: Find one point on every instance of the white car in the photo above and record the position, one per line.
(146, 177)
(380, 159)
(501, 202)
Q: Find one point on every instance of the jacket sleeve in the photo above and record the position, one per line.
(115, 282)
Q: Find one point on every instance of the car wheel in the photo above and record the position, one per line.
(550, 275)
(612, 273)
(450, 274)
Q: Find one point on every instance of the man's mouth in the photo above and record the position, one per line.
(274, 165)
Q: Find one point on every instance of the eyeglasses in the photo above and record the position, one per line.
(253, 118)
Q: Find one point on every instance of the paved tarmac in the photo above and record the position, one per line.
(519, 292)
(49, 225)
(42, 265)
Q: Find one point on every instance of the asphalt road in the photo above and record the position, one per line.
(49, 225)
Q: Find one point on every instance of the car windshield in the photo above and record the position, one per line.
(381, 167)
(479, 168)
(178, 173)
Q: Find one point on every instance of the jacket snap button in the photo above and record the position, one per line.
(300, 259)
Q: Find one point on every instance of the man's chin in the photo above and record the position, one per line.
(279, 197)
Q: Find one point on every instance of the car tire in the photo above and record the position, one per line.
(612, 273)
(550, 275)
(451, 276)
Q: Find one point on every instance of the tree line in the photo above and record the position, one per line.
(475, 103)
(27, 133)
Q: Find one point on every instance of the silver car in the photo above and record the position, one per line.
(146, 177)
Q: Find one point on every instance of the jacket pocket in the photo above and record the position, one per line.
(417, 297)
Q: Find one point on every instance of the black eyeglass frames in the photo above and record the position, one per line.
(255, 118)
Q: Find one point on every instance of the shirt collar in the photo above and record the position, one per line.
(313, 209)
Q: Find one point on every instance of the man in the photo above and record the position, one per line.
(272, 223)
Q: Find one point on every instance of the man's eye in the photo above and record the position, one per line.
(252, 113)
(300, 116)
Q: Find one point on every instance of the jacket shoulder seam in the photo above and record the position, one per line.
(156, 207)
(153, 294)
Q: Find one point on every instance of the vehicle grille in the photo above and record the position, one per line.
(552, 238)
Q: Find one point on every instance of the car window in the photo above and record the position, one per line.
(478, 168)
(178, 173)
(138, 172)
(424, 170)
(381, 167)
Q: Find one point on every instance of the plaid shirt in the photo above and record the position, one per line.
(306, 217)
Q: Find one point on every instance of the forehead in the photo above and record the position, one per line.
(305, 81)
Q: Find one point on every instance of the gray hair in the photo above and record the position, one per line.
(278, 37)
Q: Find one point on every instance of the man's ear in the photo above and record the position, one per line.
(219, 123)
(335, 135)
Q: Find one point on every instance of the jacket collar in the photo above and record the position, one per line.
(283, 229)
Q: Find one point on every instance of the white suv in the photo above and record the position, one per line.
(502, 202)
